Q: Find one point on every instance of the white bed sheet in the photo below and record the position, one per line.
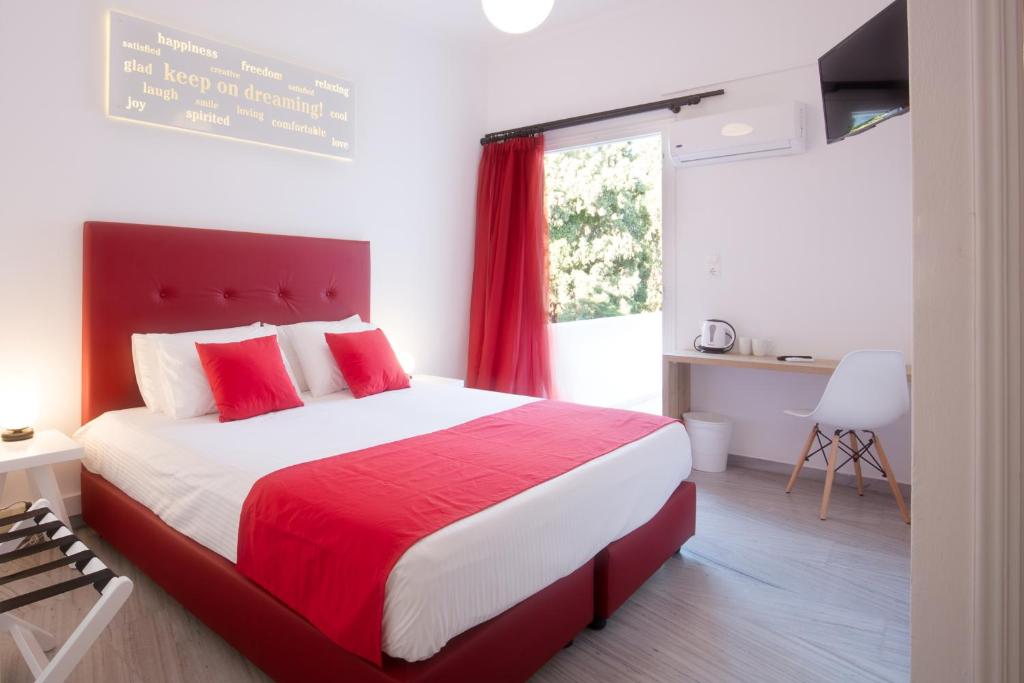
(196, 473)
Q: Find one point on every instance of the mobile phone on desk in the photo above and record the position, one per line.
(796, 359)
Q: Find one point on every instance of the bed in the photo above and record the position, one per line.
(473, 601)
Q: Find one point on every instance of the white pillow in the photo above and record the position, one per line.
(288, 347)
(147, 371)
(185, 389)
(318, 365)
(293, 370)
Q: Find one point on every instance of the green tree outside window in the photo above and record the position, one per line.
(604, 221)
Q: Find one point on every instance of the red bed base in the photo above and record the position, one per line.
(627, 563)
(510, 647)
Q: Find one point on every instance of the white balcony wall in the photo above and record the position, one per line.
(612, 362)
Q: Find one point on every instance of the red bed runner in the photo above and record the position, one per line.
(323, 536)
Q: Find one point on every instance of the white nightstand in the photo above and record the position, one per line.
(37, 456)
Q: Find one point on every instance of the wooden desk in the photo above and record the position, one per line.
(675, 390)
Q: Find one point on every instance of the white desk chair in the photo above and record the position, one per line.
(867, 391)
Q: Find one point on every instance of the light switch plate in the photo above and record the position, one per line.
(713, 265)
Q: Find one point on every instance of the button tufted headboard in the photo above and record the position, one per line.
(144, 278)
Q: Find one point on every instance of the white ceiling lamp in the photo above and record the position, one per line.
(517, 16)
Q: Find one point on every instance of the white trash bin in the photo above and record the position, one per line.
(709, 440)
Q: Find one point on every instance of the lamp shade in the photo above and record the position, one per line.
(19, 405)
(517, 16)
(406, 360)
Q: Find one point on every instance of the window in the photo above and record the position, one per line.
(604, 216)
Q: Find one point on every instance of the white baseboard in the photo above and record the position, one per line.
(73, 504)
(813, 474)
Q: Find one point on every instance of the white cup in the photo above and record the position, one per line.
(743, 346)
(762, 347)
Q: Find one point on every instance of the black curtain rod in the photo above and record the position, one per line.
(674, 104)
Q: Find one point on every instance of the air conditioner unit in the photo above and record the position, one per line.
(748, 134)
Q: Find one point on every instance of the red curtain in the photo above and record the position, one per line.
(508, 324)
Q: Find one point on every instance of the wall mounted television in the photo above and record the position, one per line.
(865, 79)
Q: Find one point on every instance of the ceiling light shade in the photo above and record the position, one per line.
(734, 130)
(517, 16)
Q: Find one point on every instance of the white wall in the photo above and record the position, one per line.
(815, 253)
(410, 191)
(815, 248)
(648, 48)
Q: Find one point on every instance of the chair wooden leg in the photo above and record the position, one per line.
(855, 445)
(800, 461)
(830, 475)
(891, 478)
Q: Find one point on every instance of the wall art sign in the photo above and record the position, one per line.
(167, 77)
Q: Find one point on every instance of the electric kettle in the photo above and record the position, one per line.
(716, 336)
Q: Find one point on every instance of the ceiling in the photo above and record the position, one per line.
(465, 20)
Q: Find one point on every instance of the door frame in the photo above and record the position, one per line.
(966, 69)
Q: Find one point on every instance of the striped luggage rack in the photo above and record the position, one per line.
(32, 641)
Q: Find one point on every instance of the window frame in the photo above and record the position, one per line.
(608, 132)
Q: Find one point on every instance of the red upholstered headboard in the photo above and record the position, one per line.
(144, 278)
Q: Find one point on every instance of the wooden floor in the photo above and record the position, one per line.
(764, 592)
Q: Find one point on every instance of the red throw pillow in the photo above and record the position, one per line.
(248, 378)
(367, 362)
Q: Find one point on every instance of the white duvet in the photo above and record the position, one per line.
(196, 473)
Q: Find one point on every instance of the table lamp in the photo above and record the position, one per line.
(18, 410)
(406, 360)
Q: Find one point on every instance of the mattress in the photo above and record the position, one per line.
(196, 473)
